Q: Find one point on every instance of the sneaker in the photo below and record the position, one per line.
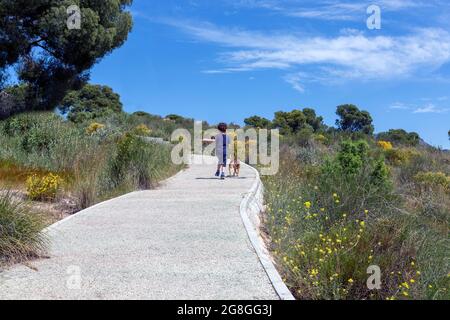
(222, 176)
(217, 173)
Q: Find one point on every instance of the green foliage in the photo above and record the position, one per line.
(90, 102)
(161, 127)
(304, 136)
(289, 122)
(95, 166)
(352, 157)
(43, 140)
(52, 58)
(361, 179)
(138, 161)
(434, 179)
(20, 235)
(315, 122)
(400, 156)
(12, 100)
(328, 220)
(174, 117)
(257, 122)
(354, 120)
(296, 120)
(400, 137)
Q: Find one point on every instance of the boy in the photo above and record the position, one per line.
(222, 141)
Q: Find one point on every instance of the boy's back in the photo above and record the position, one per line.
(222, 142)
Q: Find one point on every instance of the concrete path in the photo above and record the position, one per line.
(184, 240)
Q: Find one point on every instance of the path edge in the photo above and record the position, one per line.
(250, 208)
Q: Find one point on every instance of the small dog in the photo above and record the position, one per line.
(234, 167)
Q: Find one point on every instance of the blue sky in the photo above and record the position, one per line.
(225, 60)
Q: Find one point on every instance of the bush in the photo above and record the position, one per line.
(321, 138)
(20, 230)
(328, 223)
(385, 145)
(139, 163)
(43, 188)
(17, 125)
(433, 179)
(401, 137)
(142, 130)
(400, 156)
(94, 128)
(361, 180)
(47, 142)
(329, 261)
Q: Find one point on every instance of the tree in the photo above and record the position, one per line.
(3, 78)
(52, 59)
(400, 136)
(289, 122)
(12, 100)
(313, 120)
(257, 122)
(90, 102)
(354, 120)
(175, 118)
(297, 120)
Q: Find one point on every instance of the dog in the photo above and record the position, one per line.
(234, 167)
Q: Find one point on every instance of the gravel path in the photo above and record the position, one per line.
(184, 240)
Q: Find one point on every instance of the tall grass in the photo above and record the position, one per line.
(95, 165)
(20, 230)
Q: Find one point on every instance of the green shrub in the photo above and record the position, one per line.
(400, 156)
(400, 136)
(138, 162)
(433, 179)
(361, 181)
(20, 230)
(142, 130)
(329, 220)
(17, 125)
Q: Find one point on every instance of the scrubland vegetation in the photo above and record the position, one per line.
(345, 199)
(51, 167)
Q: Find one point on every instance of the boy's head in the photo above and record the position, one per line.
(222, 127)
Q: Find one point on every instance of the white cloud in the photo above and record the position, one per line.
(353, 56)
(332, 9)
(295, 81)
(430, 108)
(399, 106)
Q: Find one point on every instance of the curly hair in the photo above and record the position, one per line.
(222, 127)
